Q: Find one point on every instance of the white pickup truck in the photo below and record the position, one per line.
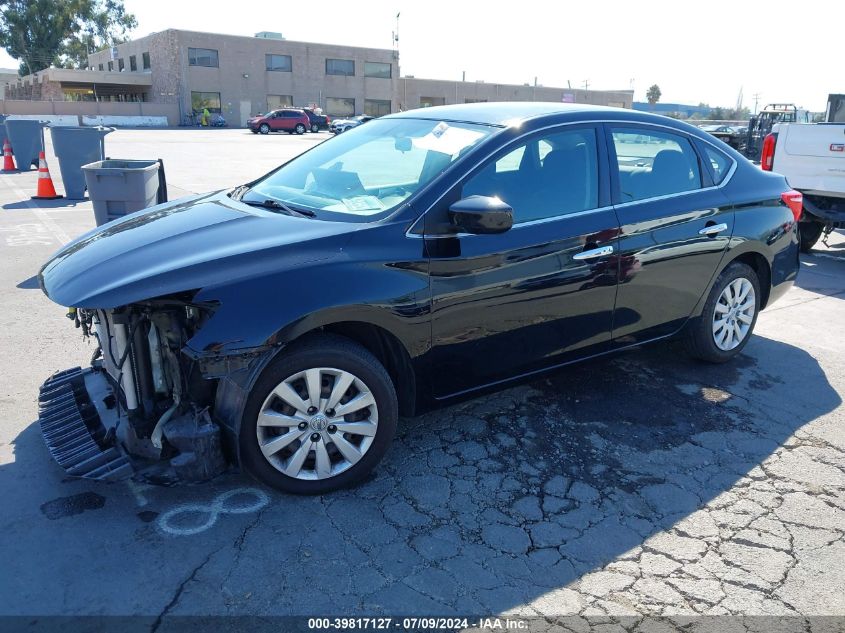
(812, 158)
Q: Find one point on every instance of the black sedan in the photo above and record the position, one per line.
(428, 255)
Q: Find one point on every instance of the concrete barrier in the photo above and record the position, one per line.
(56, 120)
(124, 120)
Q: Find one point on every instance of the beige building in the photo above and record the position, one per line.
(240, 76)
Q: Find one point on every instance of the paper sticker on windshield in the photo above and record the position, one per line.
(365, 205)
(447, 139)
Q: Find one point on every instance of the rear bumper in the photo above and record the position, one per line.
(829, 210)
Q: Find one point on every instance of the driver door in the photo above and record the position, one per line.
(541, 293)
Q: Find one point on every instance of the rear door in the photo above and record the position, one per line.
(509, 304)
(675, 227)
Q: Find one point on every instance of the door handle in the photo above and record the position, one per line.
(593, 253)
(713, 229)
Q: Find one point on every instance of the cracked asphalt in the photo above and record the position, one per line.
(643, 485)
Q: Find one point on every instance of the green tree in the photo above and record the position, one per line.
(653, 95)
(44, 33)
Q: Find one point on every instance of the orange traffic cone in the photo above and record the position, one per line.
(46, 190)
(8, 161)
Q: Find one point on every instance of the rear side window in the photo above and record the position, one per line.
(717, 163)
(653, 164)
(546, 177)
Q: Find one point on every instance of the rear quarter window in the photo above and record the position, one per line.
(717, 163)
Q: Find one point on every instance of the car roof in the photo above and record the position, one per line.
(500, 113)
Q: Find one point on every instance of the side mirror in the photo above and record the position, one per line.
(481, 214)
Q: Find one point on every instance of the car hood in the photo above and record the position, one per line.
(190, 244)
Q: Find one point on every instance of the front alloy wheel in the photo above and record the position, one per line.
(321, 416)
(317, 423)
(264, 128)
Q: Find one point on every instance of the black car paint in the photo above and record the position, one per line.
(456, 312)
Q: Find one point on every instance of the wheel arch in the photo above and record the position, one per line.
(760, 265)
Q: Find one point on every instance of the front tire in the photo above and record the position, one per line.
(808, 234)
(321, 416)
(264, 128)
(300, 128)
(728, 317)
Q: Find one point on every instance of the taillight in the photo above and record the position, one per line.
(795, 201)
(767, 160)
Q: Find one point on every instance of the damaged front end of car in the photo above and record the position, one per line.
(143, 406)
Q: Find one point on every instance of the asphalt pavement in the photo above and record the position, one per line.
(644, 484)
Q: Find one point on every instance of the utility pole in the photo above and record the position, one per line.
(756, 101)
(586, 85)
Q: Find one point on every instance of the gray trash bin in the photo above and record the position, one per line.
(75, 147)
(118, 187)
(27, 139)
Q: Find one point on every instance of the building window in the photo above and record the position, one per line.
(120, 65)
(376, 107)
(111, 66)
(340, 67)
(205, 101)
(100, 67)
(471, 100)
(279, 62)
(428, 102)
(377, 69)
(133, 63)
(274, 102)
(203, 57)
(336, 106)
(145, 59)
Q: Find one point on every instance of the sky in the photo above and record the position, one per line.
(787, 52)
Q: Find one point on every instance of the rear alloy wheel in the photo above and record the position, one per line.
(808, 234)
(729, 316)
(320, 418)
(315, 128)
(264, 128)
(300, 128)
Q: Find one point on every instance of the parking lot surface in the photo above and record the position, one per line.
(644, 484)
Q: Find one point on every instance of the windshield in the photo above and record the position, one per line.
(371, 169)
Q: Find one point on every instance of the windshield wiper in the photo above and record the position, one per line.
(238, 192)
(281, 206)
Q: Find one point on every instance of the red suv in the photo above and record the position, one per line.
(287, 120)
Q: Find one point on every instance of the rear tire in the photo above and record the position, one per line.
(325, 448)
(728, 318)
(300, 128)
(808, 234)
(315, 128)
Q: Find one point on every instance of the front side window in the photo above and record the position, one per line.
(376, 107)
(280, 63)
(203, 57)
(205, 101)
(653, 164)
(276, 102)
(340, 106)
(379, 70)
(370, 170)
(548, 176)
(340, 67)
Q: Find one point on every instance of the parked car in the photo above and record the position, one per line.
(812, 158)
(341, 125)
(732, 135)
(288, 120)
(413, 261)
(316, 121)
